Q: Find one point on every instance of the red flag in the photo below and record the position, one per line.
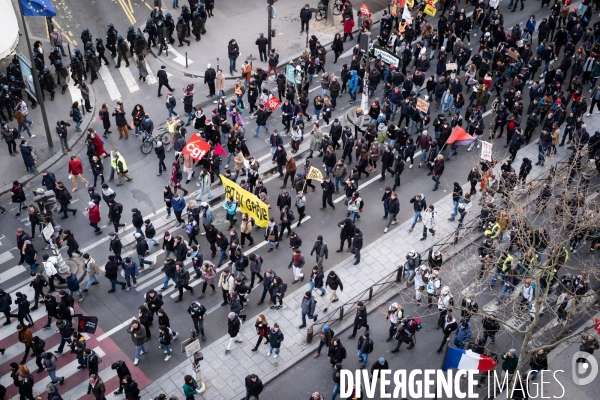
(219, 150)
(364, 10)
(272, 103)
(460, 138)
(196, 148)
(597, 323)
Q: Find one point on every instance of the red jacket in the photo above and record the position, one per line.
(75, 167)
(94, 214)
(348, 25)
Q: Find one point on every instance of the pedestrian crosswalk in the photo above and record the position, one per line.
(76, 380)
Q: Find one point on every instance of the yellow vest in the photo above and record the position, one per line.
(113, 163)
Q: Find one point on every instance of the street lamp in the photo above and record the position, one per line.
(270, 32)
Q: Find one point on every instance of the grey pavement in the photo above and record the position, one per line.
(378, 260)
(13, 168)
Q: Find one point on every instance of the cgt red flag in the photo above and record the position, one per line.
(219, 151)
(364, 11)
(460, 138)
(597, 325)
(196, 148)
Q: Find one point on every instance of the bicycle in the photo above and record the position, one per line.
(321, 12)
(148, 140)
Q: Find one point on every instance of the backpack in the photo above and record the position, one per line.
(100, 115)
(284, 286)
(10, 300)
(97, 357)
(179, 175)
(417, 322)
(71, 113)
(344, 353)
(196, 229)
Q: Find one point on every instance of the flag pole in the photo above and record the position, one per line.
(36, 80)
(442, 364)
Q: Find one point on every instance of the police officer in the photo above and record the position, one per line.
(131, 38)
(196, 25)
(182, 31)
(54, 55)
(76, 70)
(111, 40)
(157, 15)
(62, 74)
(93, 65)
(140, 44)
(187, 16)
(170, 25)
(203, 17)
(122, 52)
(161, 34)
(101, 49)
(150, 29)
(81, 60)
(86, 36)
(48, 83)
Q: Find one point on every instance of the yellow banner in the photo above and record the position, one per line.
(247, 202)
(429, 10)
(315, 174)
(410, 3)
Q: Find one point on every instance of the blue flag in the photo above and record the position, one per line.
(38, 8)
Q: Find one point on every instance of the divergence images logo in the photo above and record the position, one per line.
(581, 363)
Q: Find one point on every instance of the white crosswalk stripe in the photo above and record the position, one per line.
(109, 82)
(66, 372)
(151, 79)
(179, 58)
(7, 380)
(80, 391)
(129, 79)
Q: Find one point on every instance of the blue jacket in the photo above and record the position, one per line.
(530, 26)
(353, 82)
(131, 270)
(230, 207)
(464, 335)
(178, 206)
(72, 283)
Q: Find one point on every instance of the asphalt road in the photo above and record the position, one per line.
(144, 192)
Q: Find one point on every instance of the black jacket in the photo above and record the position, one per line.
(254, 388)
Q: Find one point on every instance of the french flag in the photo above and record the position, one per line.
(467, 360)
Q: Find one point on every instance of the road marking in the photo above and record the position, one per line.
(128, 12)
(179, 59)
(74, 91)
(7, 380)
(16, 349)
(109, 82)
(129, 79)
(248, 251)
(151, 79)
(367, 183)
(80, 391)
(115, 329)
(4, 257)
(13, 271)
(66, 372)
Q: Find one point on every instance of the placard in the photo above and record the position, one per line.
(410, 3)
(290, 73)
(514, 54)
(386, 56)
(486, 151)
(430, 10)
(422, 105)
(196, 147)
(192, 348)
(451, 66)
(48, 231)
(314, 173)
(247, 202)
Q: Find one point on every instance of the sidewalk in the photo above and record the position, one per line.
(289, 43)
(12, 168)
(379, 259)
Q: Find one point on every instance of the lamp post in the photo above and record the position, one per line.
(36, 81)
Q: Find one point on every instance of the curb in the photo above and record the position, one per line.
(57, 156)
(195, 74)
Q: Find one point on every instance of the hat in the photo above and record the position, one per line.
(19, 294)
(137, 235)
(513, 351)
(112, 234)
(163, 67)
(167, 233)
(366, 334)
(381, 360)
